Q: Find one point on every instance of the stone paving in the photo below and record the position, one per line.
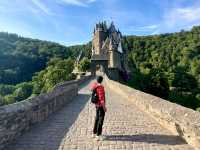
(125, 127)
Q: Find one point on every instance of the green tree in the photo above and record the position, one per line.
(157, 84)
(176, 55)
(6, 89)
(58, 71)
(84, 64)
(23, 91)
(1, 100)
(21, 58)
(184, 81)
(9, 99)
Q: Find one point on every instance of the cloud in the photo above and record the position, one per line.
(182, 16)
(178, 18)
(91, 1)
(7, 7)
(149, 28)
(18, 27)
(173, 17)
(155, 32)
(42, 7)
(189, 14)
(82, 3)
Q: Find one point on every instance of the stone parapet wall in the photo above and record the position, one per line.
(17, 118)
(182, 121)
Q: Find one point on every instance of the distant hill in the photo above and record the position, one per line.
(166, 51)
(166, 65)
(21, 57)
(164, 61)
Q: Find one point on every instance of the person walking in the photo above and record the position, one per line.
(100, 108)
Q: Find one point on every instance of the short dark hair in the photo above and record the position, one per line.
(99, 79)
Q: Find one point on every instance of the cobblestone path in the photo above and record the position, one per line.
(125, 127)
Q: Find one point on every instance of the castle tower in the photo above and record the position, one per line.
(99, 36)
(107, 50)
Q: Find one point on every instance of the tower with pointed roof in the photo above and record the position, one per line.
(107, 49)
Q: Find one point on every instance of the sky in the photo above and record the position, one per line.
(71, 22)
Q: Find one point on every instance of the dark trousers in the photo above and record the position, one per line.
(99, 121)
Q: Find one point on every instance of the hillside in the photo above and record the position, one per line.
(21, 57)
(167, 65)
(29, 67)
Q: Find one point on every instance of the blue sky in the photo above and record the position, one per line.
(71, 22)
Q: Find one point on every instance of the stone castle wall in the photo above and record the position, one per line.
(181, 121)
(16, 118)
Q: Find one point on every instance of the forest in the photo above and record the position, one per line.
(165, 65)
(25, 62)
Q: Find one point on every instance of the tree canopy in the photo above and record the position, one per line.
(21, 58)
(29, 67)
(166, 65)
(176, 59)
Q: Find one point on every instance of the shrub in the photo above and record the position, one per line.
(84, 65)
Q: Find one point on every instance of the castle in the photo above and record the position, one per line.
(107, 50)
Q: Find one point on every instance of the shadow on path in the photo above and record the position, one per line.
(148, 138)
(48, 135)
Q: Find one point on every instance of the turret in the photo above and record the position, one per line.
(100, 34)
(112, 27)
